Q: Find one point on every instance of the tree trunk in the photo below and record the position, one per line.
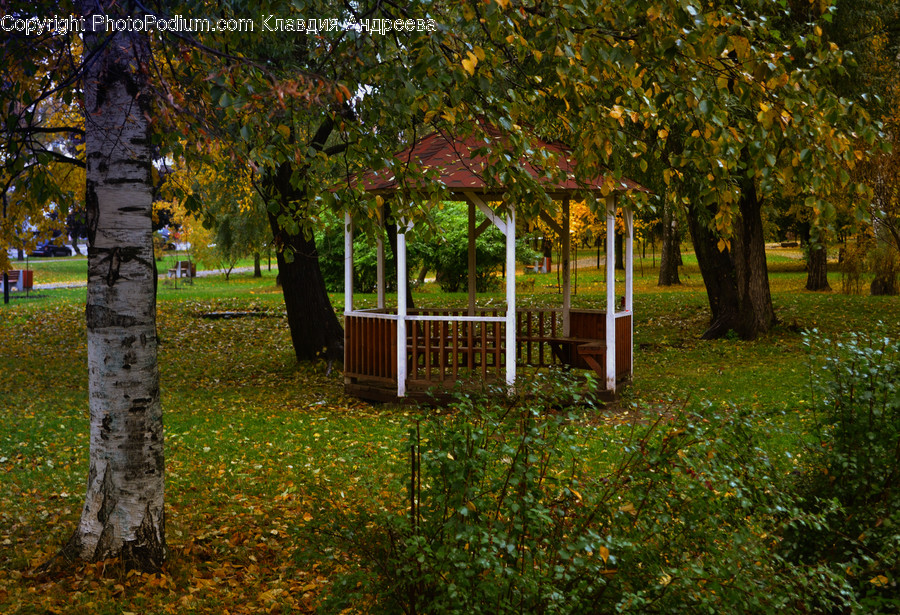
(817, 268)
(669, 258)
(620, 251)
(316, 331)
(123, 513)
(737, 279)
(257, 265)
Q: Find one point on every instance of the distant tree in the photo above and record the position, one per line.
(76, 227)
(218, 193)
(670, 254)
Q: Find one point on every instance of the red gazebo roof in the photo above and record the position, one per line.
(458, 164)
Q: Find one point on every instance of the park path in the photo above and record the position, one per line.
(200, 274)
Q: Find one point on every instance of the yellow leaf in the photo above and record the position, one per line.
(503, 3)
(307, 517)
(284, 131)
(604, 554)
(663, 133)
(537, 55)
(616, 112)
(479, 53)
(379, 200)
(653, 13)
(723, 245)
(576, 494)
(471, 506)
(628, 507)
(470, 63)
(879, 581)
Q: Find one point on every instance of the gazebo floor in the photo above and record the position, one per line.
(442, 394)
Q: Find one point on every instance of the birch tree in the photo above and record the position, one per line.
(123, 512)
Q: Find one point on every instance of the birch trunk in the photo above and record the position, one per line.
(123, 511)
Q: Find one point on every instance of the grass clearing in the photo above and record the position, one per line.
(254, 441)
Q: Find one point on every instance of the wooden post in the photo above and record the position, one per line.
(348, 263)
(566, 270)
(401, 311)
(611, 293)
(511, 297)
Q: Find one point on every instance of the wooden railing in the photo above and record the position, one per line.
(370, 347)
(449, 345)
(446, 345)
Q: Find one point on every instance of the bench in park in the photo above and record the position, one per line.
(19, 279)
(183, 269)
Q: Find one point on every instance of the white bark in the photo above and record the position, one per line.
(123, 512)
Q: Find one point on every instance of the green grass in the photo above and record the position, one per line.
(251, 435)
(73, 269)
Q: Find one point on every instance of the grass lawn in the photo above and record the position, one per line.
(251, 436)
(73, 269)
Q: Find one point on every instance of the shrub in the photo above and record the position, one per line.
(330, 246)
(530, 505)
(852, 480)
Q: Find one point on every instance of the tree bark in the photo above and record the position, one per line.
(123, 513)
(620, 251)
(817, 268)
(737, 279)
(316, 331)
(257, 265)
(669, 257)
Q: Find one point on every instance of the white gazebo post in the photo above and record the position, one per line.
(629, 281)
(401, 310)
(566, 239)
(348, 263)
(511, 297)
(471, 258)
(611, 293)
(379, 271)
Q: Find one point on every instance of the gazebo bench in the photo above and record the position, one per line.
(592, 351)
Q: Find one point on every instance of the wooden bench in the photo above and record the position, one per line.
(594, 354)
(19, 279)
(183, 269)
(592, 351)
(564, 348)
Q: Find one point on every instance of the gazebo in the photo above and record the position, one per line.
(390, 355)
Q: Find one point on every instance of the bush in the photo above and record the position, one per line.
(446, 254)
(509, 508)
(853, 478)
(330, 246)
